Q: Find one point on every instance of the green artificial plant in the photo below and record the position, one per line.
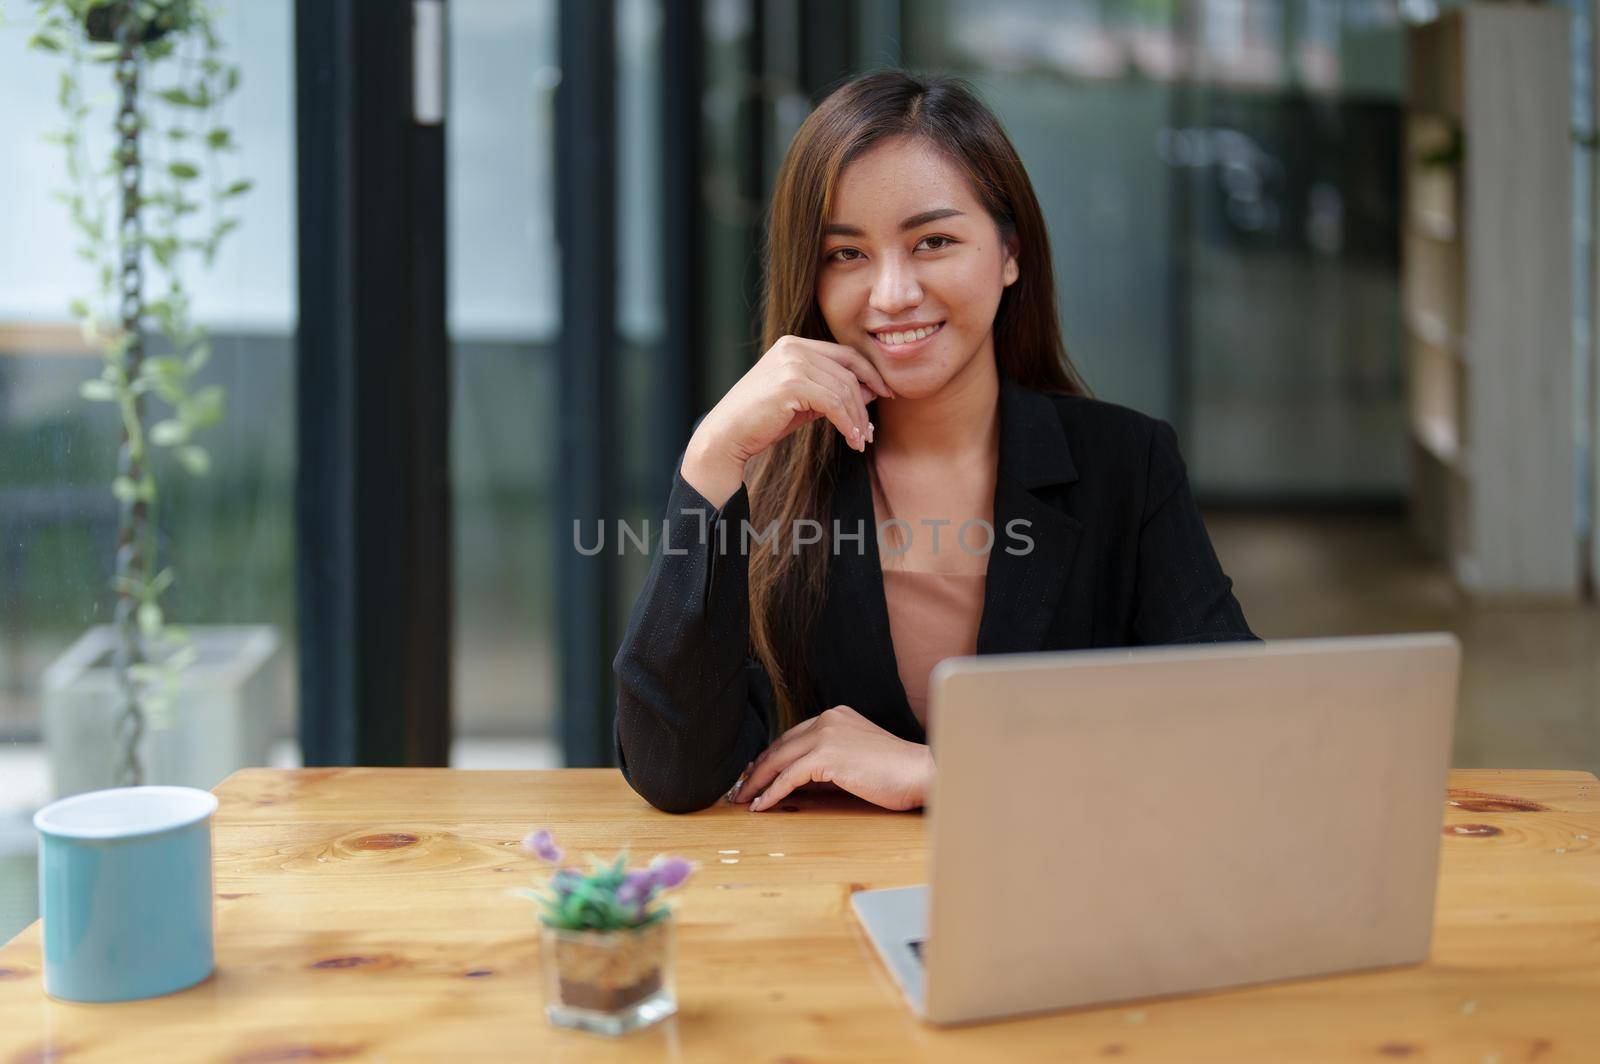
(611, 897)
(159, 200)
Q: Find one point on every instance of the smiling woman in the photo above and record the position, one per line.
(921, 294)
(908, 268)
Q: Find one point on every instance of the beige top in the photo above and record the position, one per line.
(932, 615)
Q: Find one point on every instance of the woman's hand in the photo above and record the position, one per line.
(795, 382)
(841, 747)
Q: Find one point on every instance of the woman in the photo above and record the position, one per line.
(914, 383)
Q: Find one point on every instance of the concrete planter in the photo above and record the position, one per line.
(222, 720)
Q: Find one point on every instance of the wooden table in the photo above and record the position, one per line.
(369, 914)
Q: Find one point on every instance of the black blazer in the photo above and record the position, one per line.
(1119, 558)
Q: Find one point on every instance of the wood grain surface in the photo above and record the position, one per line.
(369, 914)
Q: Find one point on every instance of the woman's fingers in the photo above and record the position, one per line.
(849, 389)
(780, 751)
(867, 394)
(802, 379)
(858, 364)
(738, 784)
(806, 769)
(861, 366)
(838, 746)
(827, 401)
(799, 741)
(762, 778)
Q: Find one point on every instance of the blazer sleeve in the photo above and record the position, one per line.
(693, 706)
(1182, 594)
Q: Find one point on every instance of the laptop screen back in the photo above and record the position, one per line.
(1125, 824)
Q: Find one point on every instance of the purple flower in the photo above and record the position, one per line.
(670, 872)
(636, 888)
(541, 845)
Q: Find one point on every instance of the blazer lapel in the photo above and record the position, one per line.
(860, 642)
(1022, 589)
(1035, 541)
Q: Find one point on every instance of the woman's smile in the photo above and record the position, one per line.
(903, 340)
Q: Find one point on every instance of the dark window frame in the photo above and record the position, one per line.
(372, 507)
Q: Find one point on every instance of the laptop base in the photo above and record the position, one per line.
(897, 922)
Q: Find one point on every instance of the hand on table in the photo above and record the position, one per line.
(841, 747)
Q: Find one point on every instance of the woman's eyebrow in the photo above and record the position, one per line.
(913, 222)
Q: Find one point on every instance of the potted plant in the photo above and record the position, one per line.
(605, 943)
(142, 700)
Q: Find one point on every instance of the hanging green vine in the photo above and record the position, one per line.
(159, 197)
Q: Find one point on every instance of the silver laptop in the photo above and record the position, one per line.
(1116, 825)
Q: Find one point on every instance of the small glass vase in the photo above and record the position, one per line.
(608, 982)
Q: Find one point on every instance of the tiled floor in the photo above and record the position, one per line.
(1530, 685)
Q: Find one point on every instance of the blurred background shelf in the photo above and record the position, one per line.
(1487, 296)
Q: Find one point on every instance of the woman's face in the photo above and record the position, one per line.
(913, 267)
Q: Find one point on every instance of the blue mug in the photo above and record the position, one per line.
(125, 892)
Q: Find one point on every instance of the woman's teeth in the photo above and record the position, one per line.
(894, 339)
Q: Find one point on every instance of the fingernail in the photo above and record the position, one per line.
(755, 806)
(872, 430)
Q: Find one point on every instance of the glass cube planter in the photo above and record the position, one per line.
(608, 982)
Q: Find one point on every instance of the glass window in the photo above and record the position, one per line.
(504, 308)
(1221, 184)
(1081, 89)
(228, 535)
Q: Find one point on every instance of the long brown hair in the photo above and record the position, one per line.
(794, 478)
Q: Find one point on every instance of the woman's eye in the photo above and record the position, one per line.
(931, 243)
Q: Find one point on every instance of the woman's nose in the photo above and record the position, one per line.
(895, 288)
